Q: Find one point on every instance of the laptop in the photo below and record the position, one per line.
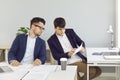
(111, 55)
(4, 69)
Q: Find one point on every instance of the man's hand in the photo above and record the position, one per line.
(82, 50)
(37, 62)
(15, 63)
(70, 53)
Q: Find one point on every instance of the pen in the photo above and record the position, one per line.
(25, 75)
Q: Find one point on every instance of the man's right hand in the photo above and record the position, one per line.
(70, 53)
(15, 63)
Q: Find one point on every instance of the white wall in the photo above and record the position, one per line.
(89, 18)
(118, 22)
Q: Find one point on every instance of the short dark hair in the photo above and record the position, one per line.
(59, 22)
(36, 20)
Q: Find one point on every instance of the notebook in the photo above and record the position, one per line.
(5, 69)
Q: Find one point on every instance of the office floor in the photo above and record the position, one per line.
(105, 78)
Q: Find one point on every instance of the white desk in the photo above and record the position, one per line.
(69, 74)
(98, 60)
(17, 74)
(42, 72)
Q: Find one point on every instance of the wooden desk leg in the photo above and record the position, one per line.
(117, 68)
(76, 75)
(87, 71)
(118, 72)
(6, 55)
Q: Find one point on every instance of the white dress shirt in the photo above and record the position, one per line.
(29, 53)
(65, 43)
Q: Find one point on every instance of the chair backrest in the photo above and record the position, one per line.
(50, 58)
(2, 55)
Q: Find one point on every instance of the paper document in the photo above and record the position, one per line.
(78, 49)
(36, 76)
(44, 68)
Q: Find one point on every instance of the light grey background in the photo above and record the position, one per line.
(89, 18)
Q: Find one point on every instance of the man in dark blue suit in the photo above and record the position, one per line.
(63, 44)
(29, 48)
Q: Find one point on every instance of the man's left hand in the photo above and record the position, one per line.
(37, 62)
(82, 50)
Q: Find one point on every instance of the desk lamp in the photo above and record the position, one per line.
(110, 31)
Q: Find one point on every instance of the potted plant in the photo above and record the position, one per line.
(22, 30)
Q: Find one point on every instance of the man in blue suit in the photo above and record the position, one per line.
(63, 44)
(29, 48)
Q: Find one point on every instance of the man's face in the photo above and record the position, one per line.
(38, 28)
(59, 31)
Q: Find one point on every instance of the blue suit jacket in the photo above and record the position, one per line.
(18, 49)
(56, 48)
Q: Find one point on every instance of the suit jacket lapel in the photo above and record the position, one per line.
(57, 43)
(70, 39)
(36, 46)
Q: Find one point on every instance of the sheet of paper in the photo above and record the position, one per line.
(78, 49)
(23, 67)
(40, 72)
(36, 76)
(44, 68)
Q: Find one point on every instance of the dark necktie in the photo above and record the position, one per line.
(82, 56)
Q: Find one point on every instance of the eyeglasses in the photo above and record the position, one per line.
(39, 27)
